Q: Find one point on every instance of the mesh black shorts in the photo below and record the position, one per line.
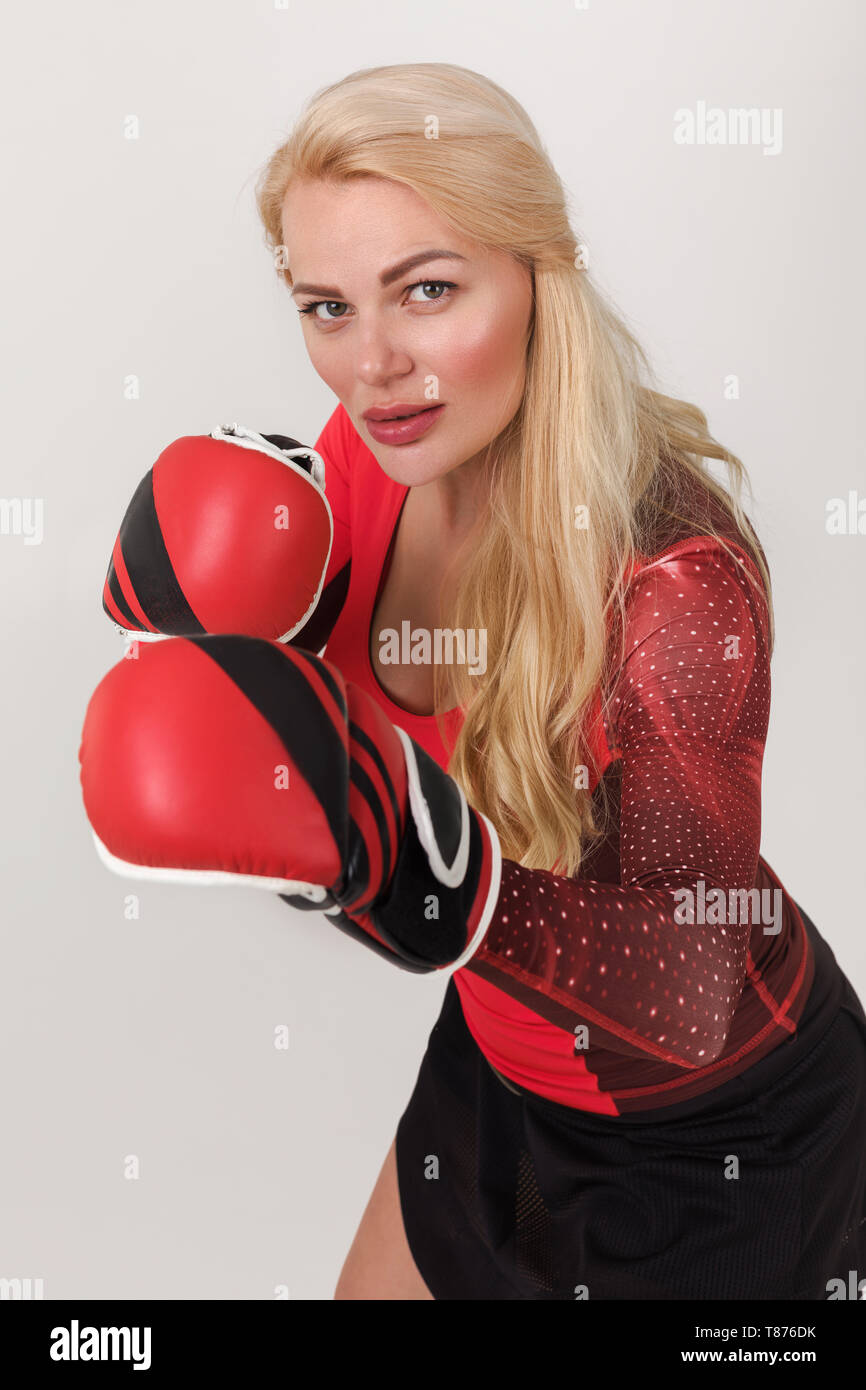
(506, 1196)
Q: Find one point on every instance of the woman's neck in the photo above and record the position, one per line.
(458, 496)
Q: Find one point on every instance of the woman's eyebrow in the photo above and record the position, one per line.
(388, 276)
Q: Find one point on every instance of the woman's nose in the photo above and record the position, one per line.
(379, 354)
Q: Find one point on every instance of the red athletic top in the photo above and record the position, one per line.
(589, 990)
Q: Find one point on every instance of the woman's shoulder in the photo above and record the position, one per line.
(697, 586)
(701, 527)
(709, 550)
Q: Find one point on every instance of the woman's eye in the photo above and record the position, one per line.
(433, 284)
(444, 286)
(322, 304)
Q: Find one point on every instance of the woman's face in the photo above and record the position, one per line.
(446, 335)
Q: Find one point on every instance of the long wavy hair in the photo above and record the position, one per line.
(592, 432)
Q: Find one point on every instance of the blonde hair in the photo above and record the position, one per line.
(588, 433)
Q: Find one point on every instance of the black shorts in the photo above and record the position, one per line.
(506, 1196)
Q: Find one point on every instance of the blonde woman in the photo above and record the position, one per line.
(648, 1078)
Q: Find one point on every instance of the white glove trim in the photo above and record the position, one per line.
(250, 439)
(206, 878)
(454, 875)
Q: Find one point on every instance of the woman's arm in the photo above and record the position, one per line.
(213, 759)
(691, 710)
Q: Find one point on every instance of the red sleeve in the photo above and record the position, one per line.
(690, 716)
(335, 444)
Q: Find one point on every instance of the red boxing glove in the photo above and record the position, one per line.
(223, 759)
(227, 532)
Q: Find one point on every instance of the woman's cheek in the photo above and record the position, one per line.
(479, 351)
(328, 364)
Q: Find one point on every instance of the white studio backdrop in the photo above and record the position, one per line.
(144, 258)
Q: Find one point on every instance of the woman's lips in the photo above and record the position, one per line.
(404, 431)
